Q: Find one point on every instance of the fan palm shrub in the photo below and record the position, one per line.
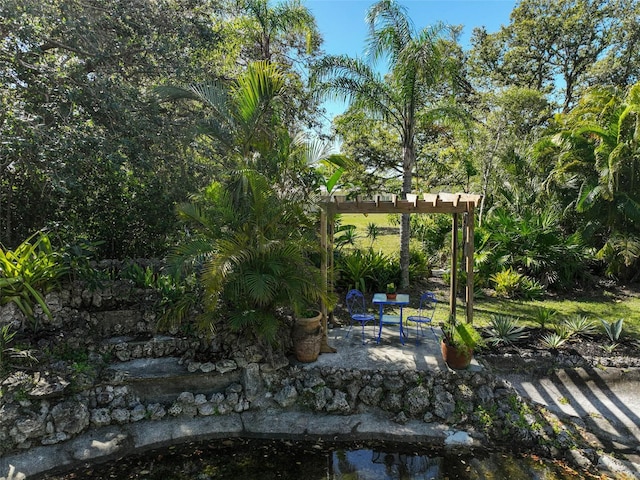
(532, 243)
(253, 251)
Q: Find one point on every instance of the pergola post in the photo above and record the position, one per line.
(469, 251)
(454, 266)
(327, 248)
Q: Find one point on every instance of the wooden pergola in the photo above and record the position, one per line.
(456, 204)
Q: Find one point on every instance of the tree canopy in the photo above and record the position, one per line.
(541, 113)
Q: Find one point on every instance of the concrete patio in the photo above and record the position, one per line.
(389, 354)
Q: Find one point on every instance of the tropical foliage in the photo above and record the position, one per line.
(253, 251)
(28, 272)
(252, 239)
(100, 142)
(597, 151)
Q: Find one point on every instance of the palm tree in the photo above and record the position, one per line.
(418, 63)
(252, 248)
(598, 152)
(240, 113)
(285, 20)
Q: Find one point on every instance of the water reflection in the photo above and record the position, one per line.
(374, 464)
(291, 460)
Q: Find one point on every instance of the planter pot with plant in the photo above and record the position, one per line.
(391, 291)
(458, 342)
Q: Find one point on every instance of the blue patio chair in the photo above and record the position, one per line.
(358, 310)
(426, 311)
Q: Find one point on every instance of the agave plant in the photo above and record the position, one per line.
(580, 325)
(553, 341)
(504, 330)
(612, 329)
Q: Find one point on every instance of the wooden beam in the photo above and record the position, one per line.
(399, 206)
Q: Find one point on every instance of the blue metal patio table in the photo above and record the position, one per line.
(401, 300)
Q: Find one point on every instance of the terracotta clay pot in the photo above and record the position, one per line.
(455, 359)
(308, 324)
(391, 296)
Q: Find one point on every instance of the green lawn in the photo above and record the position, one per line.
(604, 307)
(388, 241)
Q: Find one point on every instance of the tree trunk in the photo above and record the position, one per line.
(408, 160)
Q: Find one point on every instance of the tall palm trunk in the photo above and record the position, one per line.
(408, 160)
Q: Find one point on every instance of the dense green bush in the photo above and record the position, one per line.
(252, 251)
(532, 244)
(511, 284)
(366, 270)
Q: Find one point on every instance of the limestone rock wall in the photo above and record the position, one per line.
(51, 412)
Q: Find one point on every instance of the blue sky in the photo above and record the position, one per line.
(342, 25)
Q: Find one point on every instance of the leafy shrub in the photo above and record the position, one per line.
(530, 289)
(431, 231)
(507, 283)
(29, 272)
(367, 270)
(504, 330)
(419, 265)
(511, 284)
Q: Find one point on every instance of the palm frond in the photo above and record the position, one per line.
(390, 30)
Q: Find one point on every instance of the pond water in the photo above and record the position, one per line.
(289, 460)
